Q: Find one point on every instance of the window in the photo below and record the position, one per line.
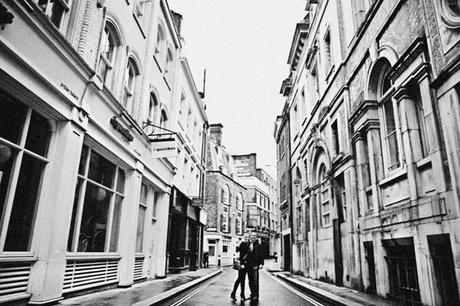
(340, 198)
(55, 10)
(299, 219)
(224, 219)
(335, 137)
(389, 121)
(160, 42)
(327, 53)
(315, 81)
(99, 195)
(169, 62)
(225, 195)
(107, 54)
(141, 219)
(421, 119)
(163, 120)
(153, 109)
(24, 140)
(324, 197)
(156, 198)
(360, 9)
(129, 85)
(239, 201)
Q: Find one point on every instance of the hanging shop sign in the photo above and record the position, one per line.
(121, 129)
(203, 218)
(164, 147)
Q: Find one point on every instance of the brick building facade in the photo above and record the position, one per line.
(225, 202)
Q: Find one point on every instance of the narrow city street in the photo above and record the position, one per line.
(217, 291)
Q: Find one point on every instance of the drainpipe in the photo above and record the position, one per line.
(291, 204)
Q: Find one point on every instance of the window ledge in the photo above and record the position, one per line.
(328, 75)
(91, 256)
(396, 174)
(424, 162)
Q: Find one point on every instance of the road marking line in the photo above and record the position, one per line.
(307, 298)
(188, 296)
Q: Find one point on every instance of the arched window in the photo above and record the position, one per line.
(129, 84)
(389, 119)
(239, 201)
(107, 53)
(323, 196)
(153, 109)
(225, 195)
(160, 41)
(163, 119)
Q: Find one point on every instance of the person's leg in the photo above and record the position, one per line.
(242, 282)
(250, 271)
(235, 287)
(256, 282)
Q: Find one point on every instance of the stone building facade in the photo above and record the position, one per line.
(373, 101)
(281, 135)
(84, 195)
(224, 202)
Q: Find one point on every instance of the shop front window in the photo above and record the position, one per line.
(141, 219)
(97, 205)
(24, 140)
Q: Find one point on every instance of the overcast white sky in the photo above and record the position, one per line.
(244, 45)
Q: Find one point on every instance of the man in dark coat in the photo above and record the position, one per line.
(254, 261)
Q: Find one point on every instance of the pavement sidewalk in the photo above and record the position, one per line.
(146, 293)
(328, 292)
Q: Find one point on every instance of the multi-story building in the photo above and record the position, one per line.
(224, 202)
(84, 187)
(273, 211)
(186, 219)
(258, 200)
(373, 102)
(281, 135)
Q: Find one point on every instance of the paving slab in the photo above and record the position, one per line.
(146, 291)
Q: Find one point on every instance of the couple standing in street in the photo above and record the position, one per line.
(251, 259)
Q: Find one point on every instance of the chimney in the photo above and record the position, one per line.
(177, 19)
(215, 131)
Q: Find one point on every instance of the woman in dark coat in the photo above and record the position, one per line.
(243, 249)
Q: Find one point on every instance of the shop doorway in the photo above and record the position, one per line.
(369, 251)
(212, 252)
(287, 252)
(402, 271)
(444, 269)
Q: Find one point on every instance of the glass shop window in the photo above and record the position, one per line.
(24, 141)
(95, 224)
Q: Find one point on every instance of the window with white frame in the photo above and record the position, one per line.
(24, 139)
(99, 196)
(225, 195)
(169, 62)
(141, 218)
(153, 109)
(107, 54)
(129, 85)
(324, 196)
(55, 10)
(389, 120)
(224, 219)
(239, 201)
